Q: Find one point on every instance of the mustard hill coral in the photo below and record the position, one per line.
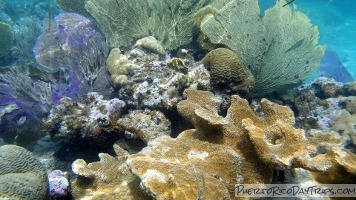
(118, 67)
(281, 49)
(6, 38)
(21, 174)
(226, 69)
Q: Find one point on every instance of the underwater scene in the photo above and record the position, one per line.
(174, 99)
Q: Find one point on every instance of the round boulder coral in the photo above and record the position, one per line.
(228, 72)
(21, 174)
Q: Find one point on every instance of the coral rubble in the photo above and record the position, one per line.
(90, 123)
(155, 83)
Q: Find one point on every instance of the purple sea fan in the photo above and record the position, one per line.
(73, 44)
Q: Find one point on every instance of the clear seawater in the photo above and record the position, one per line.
(336, 21)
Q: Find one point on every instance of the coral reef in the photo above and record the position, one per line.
(227, 70)
(242, 147)
(59, 185)
(6, 38)
(274, 48)
(74, 45)
(90, 123)
(119, 67)
(21, 174)
(171, 22)
(159, 84)
(316, 103)
(146, 125)
(272, 139)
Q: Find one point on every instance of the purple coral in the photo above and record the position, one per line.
(74, 45)
(59, 185)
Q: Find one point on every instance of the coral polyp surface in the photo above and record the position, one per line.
(22, 176)
(186, 168)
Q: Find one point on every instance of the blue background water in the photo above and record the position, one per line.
(336, 20)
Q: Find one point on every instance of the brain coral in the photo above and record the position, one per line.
(226, 69)
(21, 174)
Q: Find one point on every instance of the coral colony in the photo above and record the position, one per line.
(168, 99)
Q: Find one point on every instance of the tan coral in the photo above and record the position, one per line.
(109, 178)
(266, 143)
(119, 66)
(151, 44)
(186, 168)
(226, 69)
(146, 126)
(350, 103)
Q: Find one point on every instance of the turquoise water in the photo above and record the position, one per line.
(336, 20)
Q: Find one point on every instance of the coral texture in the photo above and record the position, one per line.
(159, 84)
(276, 50)
(6, 38)
(226, 69)
(146, 125)
(110, 178)
(186, 168)
(21, 174)
(271, 138)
